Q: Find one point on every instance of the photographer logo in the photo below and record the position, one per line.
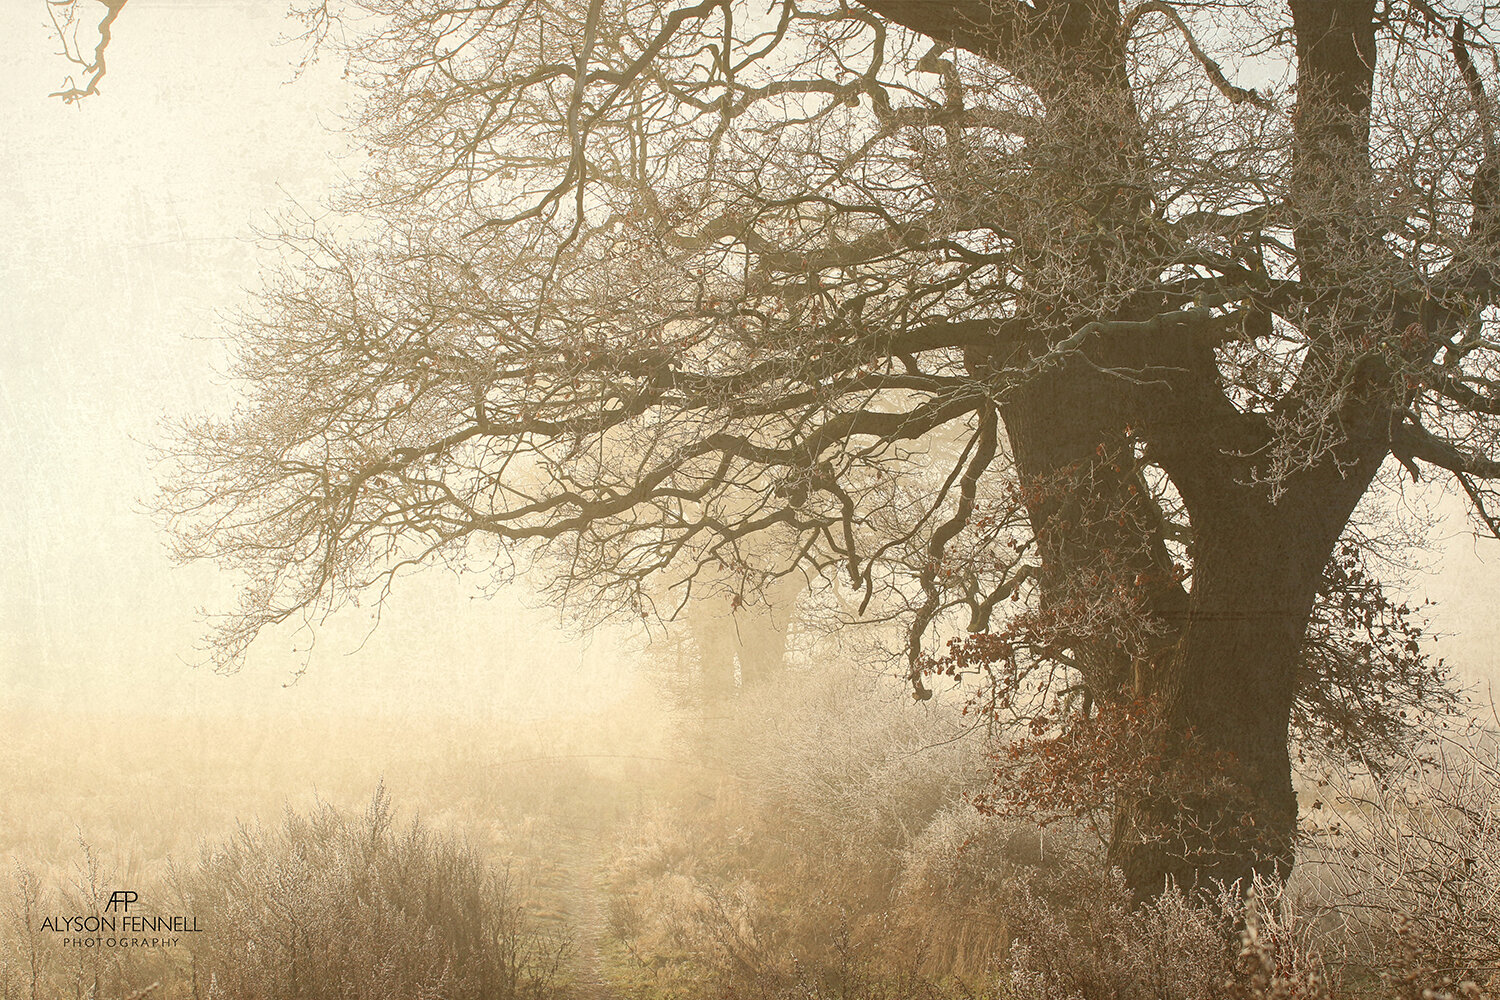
(117, 927)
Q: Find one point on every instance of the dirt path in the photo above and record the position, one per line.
(587, 910)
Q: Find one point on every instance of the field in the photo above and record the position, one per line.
(811, 842)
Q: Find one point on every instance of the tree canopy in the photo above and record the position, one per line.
(1089, 323)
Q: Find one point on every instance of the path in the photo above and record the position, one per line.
(586, 904)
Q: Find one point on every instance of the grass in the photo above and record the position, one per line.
(812, 842)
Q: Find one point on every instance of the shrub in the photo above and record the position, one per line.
(844, 859)
(1252, 945)
(1414, 865)
(328, 906)
(777, 872)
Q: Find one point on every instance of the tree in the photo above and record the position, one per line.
(751, 638)
(628, 286)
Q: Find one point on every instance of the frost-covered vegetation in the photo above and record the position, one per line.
(815, 841)
(840, 858)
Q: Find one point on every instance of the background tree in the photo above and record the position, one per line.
(627, 285)
(748, 640)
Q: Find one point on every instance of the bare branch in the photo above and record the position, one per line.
(65, 15)
(1236, 95)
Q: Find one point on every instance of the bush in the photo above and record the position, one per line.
(841, 859)
(778, 870)
(962, 877)
(1414, 865)
(1253, 945)
(327, 906)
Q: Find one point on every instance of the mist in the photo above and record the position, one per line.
(615, 825)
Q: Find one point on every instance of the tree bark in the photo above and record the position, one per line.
(1230, 810)
(1097, 527)
(1219, 663)
(1226, 809)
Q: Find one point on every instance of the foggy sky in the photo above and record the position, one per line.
(130, 221)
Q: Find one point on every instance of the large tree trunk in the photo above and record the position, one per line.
(1219, 664)
(1228, 809)
(1225, 808)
